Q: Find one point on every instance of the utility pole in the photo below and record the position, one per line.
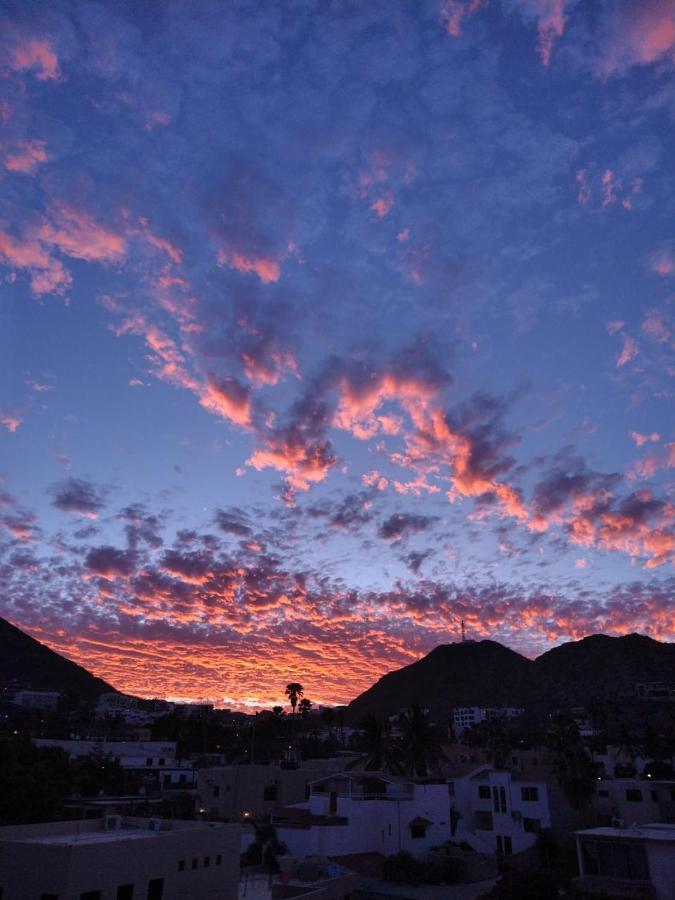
(463, 631)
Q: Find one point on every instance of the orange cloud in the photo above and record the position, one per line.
(376, 480)
(163, 244)
(38, 56)
(227, 398)
(25, 159)
(641, 439)
(550, 26)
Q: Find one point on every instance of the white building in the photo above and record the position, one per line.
(636, 862)
(465, 716)
(120, 858)
(153, 759)
(497, 812)
(365, 812)
(45, 700)
(628, 801)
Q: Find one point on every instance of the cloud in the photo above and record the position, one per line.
(662, 262)
(36, 56)
(78, 235)
(233, 521)
(403, 525)
(48, 275)
(26, 158)
(109, 562)
(75, 495)
(641, 439)
(638, 34)
(10, 421)
(629, 351)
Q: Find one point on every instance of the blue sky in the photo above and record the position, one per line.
(327, 325)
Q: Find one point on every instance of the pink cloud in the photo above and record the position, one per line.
(376, 480)
(266, 268)
(663, 262)
(641, 439)
(656, 327)
(382, 206)
(641, 33)
(550, 26)
(76, 234)
(48, 275)
(227, 398)
(453, 13)
(629, 351)
(38, 56)
(25, 159)
(10, 421)
(163, 244)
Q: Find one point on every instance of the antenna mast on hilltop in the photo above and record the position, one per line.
(463, 632)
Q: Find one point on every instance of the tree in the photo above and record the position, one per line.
(422, 751)
(294, 692)
(304, 707)
(381, 753)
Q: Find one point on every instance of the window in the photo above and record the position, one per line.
(125, 892)
(195, 863)
(529, 793)
(216, 792)
(207, 862)
(483, 791)
(42, 896)
(508, 845)
(603, 793)
(615, 859)
(161, 761)
(483, 821)
(90, 895)
(219, 859)
(181, 865)
(148, 761)
(451, 789)
(655, 797)
(634, 795)
(532, 826)
(418, 831)
(155, 889)
(270, 793)
(499, 799)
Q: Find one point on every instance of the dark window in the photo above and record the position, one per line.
(615, 859)
(207, 862)
(125, 892)
(216, 792)
(219, 859)
(532, 826)
(502, 797)
(167, 781)
(418, 831)
(161, 761)
(270, 793)
(155, 889)
(90, 895)
(500, 845)
(529, 793)
(655, 797)
(483, 821)
(182, 778)
(148, 761)
(483, 791)
(508, 845)
(451, 789)
(42, 896)
(181, 865)
(195, 863)
(634, 794)
(603, 793)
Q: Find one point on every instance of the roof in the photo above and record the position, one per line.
(419, 820)
(656, 831)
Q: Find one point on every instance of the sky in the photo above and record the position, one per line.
(326, 325)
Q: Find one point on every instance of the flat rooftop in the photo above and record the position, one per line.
(91, 837)
(657, 831)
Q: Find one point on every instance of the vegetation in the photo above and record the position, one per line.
(403, 868)
(294, 692)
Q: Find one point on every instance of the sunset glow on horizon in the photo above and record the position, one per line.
(327, 326)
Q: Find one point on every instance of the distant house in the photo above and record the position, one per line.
(464, 717)
(636, 862)
(122, 857)
(44, 700)
(152, 759)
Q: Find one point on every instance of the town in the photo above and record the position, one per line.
(106, 795)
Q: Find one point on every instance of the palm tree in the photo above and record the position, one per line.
(422, 752)
(381, 753)
(294, 692)
(304, 707)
